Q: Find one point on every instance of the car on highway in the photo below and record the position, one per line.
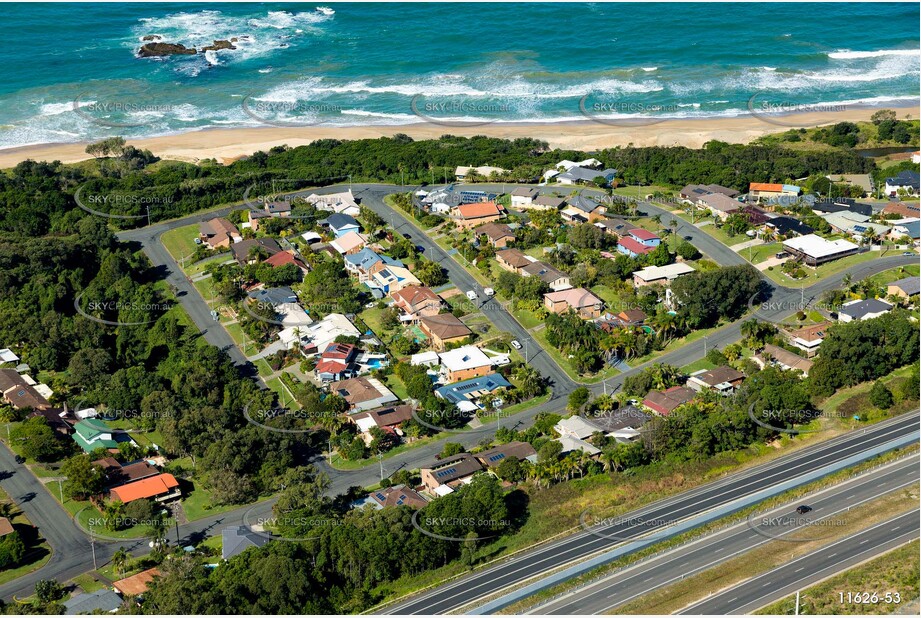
(516, 344)
(803, 509)
(471, 295)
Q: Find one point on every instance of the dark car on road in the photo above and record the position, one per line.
(803, 509)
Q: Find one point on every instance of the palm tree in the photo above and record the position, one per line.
(120, 560)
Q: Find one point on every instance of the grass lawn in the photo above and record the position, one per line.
(825, 270)
(395, 384)
(762, 252)
(631, 191)
(723, 237)
(37, 553)
(263, 367)
(88, 583)
(198, 504)
(180, 242)
(278, 386)
(675, 344)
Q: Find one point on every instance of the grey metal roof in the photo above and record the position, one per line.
(237, 539)
(102, 600)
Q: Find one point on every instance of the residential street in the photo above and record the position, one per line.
(71, 545)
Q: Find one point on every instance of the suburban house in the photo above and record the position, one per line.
(137, 584)
(575, 426)
(161, 488)
(472, 196)
(218, 233)
(512, 260)
(565, 165)
(592, 210)
(57, 419)
(720, 205)
(574, 215)
(491, 458)
(336, 362)
(284, 258)
(462, 171)
(499, 235)
(441, 201)
(904, 288)
(813, 250)
(387, 418)
(363, 393)
(863, 310)
(349, 243)
(393, 496)
(341, 224)
(693, 193)
(906, 227)
(343, 202)
(784, 359)
(571, 444)
(464, 393)
(463, 363)
(622, 424)
(854, 224)
(787, 226)
(523, 197)
(808, 338)
(274, 296)
(839, 204)
(862, 181)
(758, 191)
(554, 278)
(468, 216)
(103, 601)
(17, 391)
(364, 263)
(390, 279)
(417, 301)
(638, 242)
(548, 202)
(627, 317)
(665, 402)
(584, 175)
(723, 380)
(906, 180)
(318, 336)
(118, 474)
(93, 433)
(444, 329)
(451, 472)
(660, 274)
(904, 209)
(580, 300)
(244, 252)
(237, 539)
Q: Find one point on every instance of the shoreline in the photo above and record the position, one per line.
(227, 145)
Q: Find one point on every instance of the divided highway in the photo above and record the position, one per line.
(467, 590)
(813, 568)
(625, 585)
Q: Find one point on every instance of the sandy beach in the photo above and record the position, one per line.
(226, 145)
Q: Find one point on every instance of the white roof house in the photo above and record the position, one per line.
(292, 314)
(575, 427)
(427, 359)
(670, 272)
(575, 444)
(343, 202)
(465, 357)
(816, 247)
(7, 356)
(324, 332)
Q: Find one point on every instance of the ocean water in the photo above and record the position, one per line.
(70, 72)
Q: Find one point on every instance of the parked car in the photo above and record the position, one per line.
(471, 295)
(516, 344)
(803, 509)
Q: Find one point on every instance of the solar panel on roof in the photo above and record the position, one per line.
(497, 457)
(441, 473)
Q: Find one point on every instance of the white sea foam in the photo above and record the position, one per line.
(845, 54)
